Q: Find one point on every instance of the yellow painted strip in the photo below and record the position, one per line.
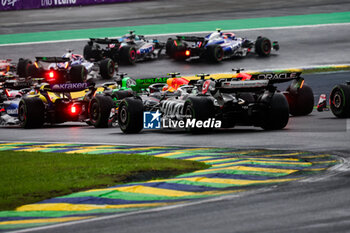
(221, 160)
(44, 220)
(82, 207)
(199, 158)
(53, 145)
(168, 154)
(327, 161)
(265, 162)
(315, 169)
(221, 192)
(154, 191)
(235, 181)
(181, 151)
(281, 155)
(11, 143)
(244, 168)
(81, 151)
(32, 149)
(314, 156)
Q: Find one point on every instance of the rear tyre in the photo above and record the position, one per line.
(340, 101)
(263, 47)
(88, 54)
(107, 69)
(277, 113)
(170, 48)
(215, 53)
(130, 115)
(22, 67)
(100, 110)
(199, 108)
(33, 72)
(78, 74)
(31, 113)
(128, 54)
(120, 95)
(300, 101)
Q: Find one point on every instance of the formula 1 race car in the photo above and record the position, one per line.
(340, 100)
(11, 91)
(128, 49)
(7, 69)
(228, 101)
(69, 62)
(53, 103)
(218, 46)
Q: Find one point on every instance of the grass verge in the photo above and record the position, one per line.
(29, 177)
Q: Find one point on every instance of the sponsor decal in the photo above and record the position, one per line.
(45, 3)
(10, 3)
(151, 120)
(12, 111)
(277, 76)
(69, 86)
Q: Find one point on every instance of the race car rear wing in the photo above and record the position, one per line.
(242, 86)
(191, 38)
(276, 77)
(52, 59)
(105, 41)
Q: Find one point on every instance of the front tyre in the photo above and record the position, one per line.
(130, 115)
(263, 46)
(340, 101)
(128, 54)
(31, 113)
(107, 68)
(100, 110)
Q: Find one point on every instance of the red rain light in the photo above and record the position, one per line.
(73, 109)
(187, 53)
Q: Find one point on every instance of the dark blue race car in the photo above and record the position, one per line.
(218, 46)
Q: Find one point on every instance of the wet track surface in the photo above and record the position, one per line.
(320, 204)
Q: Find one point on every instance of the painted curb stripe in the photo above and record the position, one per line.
(232, 170)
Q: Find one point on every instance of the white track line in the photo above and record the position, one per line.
(185, 33)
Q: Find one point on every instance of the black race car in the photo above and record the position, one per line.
(218, 46)
(128, 49)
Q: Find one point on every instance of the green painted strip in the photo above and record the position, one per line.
(283, 21)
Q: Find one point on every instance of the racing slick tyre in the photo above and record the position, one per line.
(22, 67)
(119, 95)
(199, 108)
(215, 53)
(33, 72)
(31, 113)
(128, 54)
(78, 74)
(263, 46)
(88, 53)
(100, 110)
(130, 115)
(277, 113)
(170, 48)
(340, 101)
(107, 68)
(300, 101)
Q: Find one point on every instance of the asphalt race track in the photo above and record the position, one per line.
(318, 204)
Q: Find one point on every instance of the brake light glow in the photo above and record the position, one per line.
(175, 42)
(187, 53)
(301, 84)
(51, 74)
(36, 65)
(73, 109)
